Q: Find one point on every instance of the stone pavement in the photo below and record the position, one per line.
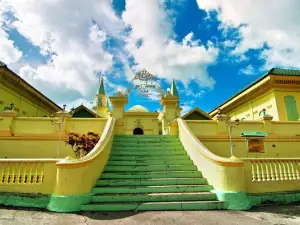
(275, 214)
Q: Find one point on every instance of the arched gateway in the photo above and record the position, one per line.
(138, 131)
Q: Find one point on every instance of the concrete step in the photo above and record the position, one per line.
(138, 206)
(155, 197)
(151, 189)
(147, 153)
(147, 157)
(142, 137)
(150, 168)
(149, 162)
(150, 182)
(149, 148)
(140, 144)
(148, 175)
(131, 140)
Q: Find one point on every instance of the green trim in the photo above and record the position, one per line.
(68, 203)
(287, 72)
(282, 198)
(101, 90)
(254, 134)
(174, 91)
(24, 200)
(234, 200)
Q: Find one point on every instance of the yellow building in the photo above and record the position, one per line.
(276, 93)
(17, 94)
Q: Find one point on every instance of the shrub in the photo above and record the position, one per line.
(82, 144)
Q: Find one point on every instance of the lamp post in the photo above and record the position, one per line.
(231, 124)
(59, 124)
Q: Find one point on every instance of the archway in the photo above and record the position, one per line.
(138, 131)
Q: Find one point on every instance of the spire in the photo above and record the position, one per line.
(174, 91)
(101, 90)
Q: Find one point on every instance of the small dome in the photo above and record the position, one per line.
(138, 108)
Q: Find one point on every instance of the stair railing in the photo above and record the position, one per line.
(223, 173)
(78, 176)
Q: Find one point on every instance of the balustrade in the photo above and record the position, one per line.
(21, 173)
(263, 170)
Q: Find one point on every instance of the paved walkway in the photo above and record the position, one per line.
(276, 214)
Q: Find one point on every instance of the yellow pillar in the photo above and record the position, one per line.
(267, 119)
(222, 120)
(7, 122)
(118, 104)
(171, 111)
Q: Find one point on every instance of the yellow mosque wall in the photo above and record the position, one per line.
(26, 100)
(32, 137)
(148, 122)
(250, 110)
(24, 106)
(283, 138)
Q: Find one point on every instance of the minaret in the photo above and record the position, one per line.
(102, 107)
(174, 91)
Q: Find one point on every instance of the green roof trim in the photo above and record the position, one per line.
(254, 134)
(174, 91)
(287, 72)
(101, 90)
(2, 64)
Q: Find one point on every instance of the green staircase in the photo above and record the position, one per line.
(151, 173)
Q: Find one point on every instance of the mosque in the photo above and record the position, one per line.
(242, 154)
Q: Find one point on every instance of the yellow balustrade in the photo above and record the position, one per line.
(28, 175)
(78, 176)
(272, 174)
(223, 173)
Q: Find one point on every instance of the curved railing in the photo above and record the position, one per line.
(223, 173)
(78, 176)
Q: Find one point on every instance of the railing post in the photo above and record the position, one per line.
(7, 123)
(267, 119)
(222, 125)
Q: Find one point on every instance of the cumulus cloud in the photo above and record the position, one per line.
(9, 54)
(248, 70)
(270, 26)
(71, 36)
(151, 44)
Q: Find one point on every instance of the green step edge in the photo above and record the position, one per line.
(145, 175)
(158, 197)
(152, 189)
(149, 162)
(151, 168)
(150, 182)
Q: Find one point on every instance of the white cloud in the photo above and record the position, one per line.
(274, 23)
(156, 50)
(248, 70)
(71, 34)
(9, 54)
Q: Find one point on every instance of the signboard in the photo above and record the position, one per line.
(256, 145)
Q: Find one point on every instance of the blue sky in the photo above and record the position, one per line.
(211, 48)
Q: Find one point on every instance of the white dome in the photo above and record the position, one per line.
(138, 108)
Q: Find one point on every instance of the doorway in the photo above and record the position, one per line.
(138, 131)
